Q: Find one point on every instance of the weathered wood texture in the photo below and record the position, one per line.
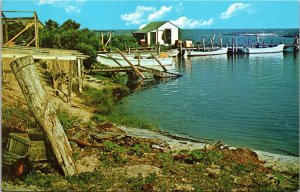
(14, 165)
(43, 112)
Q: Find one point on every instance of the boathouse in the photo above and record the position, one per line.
(164, 33)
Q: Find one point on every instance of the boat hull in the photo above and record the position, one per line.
(208, 53)
(276, 49)
(105, 60)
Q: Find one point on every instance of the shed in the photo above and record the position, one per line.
(164, 33)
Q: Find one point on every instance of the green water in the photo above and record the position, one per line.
(247, 100)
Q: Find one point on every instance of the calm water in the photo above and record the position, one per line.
(243, 101)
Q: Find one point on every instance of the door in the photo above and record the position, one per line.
(152, 38)
(168, 36)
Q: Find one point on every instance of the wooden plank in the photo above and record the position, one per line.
(44, 113)
(39, 56)
(134, 67)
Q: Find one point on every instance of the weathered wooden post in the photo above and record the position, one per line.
(236, 45)
(36, 30)
(70, 82)
(221, 42)
(79, 75)
(232, 44)
(203, 41)
(43, 112)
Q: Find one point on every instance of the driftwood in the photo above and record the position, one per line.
(43, 112)
(214, 146)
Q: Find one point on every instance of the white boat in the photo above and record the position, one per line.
(258, 50)
(145, 62)
(215, 51)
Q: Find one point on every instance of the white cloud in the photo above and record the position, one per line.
(137, 16)
(184, 22)
(232, 9)
(47, 2)
(142, 26)
(72, 8)
(159, 13)
(179, 8)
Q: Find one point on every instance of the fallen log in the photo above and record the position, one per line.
(43, 112)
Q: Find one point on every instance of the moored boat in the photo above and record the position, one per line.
(263, 49)
(143, 61)
(215, 51)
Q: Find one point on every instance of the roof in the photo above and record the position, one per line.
(152, 26)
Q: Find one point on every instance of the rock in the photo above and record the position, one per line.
(87, 163)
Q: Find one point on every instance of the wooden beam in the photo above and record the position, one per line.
(43, 112)
(39, 56)
(114, 60)
(134, 67)
(36, 30)
(28, 26)
(30, 42)
(79, 75)
(158, 61)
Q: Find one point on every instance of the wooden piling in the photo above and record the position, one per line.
(180, 48)
(133, 67)
(70, 82)
(236, 46)
(43, 112)
(232, 44)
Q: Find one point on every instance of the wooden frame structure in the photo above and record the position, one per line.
(74, 63)
(27, 21)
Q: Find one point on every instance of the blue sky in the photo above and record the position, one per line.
(122, 14)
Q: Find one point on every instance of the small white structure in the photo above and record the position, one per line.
(164, 33)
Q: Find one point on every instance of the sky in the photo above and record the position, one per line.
(123, 14)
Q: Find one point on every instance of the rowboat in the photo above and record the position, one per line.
(215, 51)
(116, 61)
(262, 49)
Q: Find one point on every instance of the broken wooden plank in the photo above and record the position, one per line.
(43, 112)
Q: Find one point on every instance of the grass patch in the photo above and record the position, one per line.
(66, 119)
(132, 121)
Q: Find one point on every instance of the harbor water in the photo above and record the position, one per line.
(244, 100)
